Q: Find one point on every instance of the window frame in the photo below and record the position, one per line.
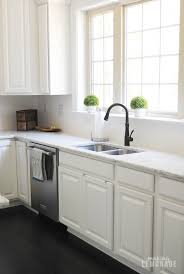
(119, 91)
(117, 45)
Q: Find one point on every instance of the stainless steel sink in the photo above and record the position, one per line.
(121, 151)
(98, 147)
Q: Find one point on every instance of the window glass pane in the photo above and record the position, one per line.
(108, 24)
(98, 73)
(134, 18)
(151, 14)
(151, 93)
(150, 70)
(169, 97)
(169, 70)
(98, 50)
(132, 91)
(170, 40)
(102, 56)
(108, 95)
(108, 48)
(134, 44)
(97, 26)
(108, 72)
(152, 39)
(170, 12)
(98, 91)
(134, 68)
(151, 43)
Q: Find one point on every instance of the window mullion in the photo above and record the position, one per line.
(118, 54)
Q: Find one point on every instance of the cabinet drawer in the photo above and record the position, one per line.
(99, 168)
(135, 178)
(171, 188)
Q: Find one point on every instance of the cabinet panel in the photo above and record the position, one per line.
(170, 236)
(8, 181)
(98, 206)
(133, 224)
(53, 25)
(22, 172)
(1, 51)
(171, 188)
(59, 19)
(70, 198)
(16, 41)
(135, 178)
(88, 165)
(43, 47)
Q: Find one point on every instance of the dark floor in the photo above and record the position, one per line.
(30, 244)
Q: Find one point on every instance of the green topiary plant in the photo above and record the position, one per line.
(91, 100)
(139, 102)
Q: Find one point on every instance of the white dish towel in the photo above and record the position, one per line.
(3, 202)
(38, 164)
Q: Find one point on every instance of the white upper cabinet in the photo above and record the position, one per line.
(19, 47)
(34, 47)
(16, 46)
(53, 26)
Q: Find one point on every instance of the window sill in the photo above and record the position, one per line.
(145, 118)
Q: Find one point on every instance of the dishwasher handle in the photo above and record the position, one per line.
(45, 152)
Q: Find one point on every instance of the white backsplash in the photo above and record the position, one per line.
(56, 110)
(8, 107)
(152, 134)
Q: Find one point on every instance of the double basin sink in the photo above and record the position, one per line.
(108, 149)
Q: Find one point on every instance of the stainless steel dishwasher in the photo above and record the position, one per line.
(44, 194)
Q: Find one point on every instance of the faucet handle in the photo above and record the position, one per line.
(130, 137)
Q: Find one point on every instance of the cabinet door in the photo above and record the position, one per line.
(22, 172)
(59, 33)
(70, 198)
(8, 180)
(1, 51)
(98, 211)
(170, 236)
(133, 224)
(43, 47)
(16, 44)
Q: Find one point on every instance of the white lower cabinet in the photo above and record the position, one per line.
(133, 224)
(70, 198)
(8, 174)
(98, 210)
(124, 222)
(22, 172)
(86, 205)
(170, 236)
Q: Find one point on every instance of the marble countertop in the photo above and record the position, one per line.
(165, 164)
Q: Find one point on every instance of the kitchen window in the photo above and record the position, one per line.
(152, 53)
(102, 56)
(135, 50)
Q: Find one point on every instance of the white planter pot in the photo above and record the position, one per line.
(91, 109)
(140, 112)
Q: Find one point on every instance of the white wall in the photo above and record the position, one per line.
(8, 107)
